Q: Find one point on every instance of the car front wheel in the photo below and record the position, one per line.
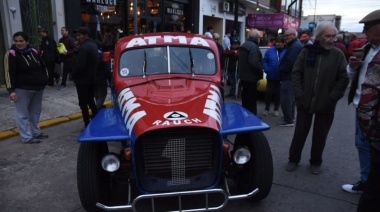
(93, 182)
(258, 171)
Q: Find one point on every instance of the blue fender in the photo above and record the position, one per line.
(236, 120)
(107, 125)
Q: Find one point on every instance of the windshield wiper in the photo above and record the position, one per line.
(191, 63)
(144, 65)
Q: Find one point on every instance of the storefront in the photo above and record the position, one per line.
(118, 16)
(270, 25)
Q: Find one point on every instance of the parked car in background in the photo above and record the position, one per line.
(169, 132)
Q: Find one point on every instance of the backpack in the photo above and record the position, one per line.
(369, 104)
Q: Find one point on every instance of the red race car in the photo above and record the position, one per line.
(176, 135)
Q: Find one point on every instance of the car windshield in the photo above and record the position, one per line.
(167, 59)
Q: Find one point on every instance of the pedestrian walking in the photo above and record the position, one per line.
(84, 73)
(67, 57)
(49, 52)
(319, 80)
(26, 78)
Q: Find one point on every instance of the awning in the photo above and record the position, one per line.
(274, 20)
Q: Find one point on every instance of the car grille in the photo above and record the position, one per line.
(177, 159)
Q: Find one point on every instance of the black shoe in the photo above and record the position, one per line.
(291, 166)
(41, 136)
(33, 141)
(315, 169)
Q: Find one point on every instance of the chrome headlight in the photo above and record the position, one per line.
(242, 155)
(110, 163)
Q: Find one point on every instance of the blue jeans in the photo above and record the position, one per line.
(363, 150)
(287, 101)
(28, 111)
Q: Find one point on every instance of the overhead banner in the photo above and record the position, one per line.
(275, 20)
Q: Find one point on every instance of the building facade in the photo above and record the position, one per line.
(128, 17)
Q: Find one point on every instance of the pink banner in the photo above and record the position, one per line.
(275, 20)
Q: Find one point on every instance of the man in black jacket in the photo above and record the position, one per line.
(84, 72)
(49, 54)
(251, 70)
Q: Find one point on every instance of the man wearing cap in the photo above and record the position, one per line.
(369, 153)
(305, 39)
(84, 72)
(209, 32)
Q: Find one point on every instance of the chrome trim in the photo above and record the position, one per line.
(180, 194)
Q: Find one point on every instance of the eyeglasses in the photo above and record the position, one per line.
(285, 36)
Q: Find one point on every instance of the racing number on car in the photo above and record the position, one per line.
(175, 151)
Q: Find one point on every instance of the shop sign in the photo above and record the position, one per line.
(276, 20)
(103, 2)
(174, 11)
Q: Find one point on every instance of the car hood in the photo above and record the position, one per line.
(170, 103)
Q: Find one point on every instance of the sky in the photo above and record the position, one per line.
(352, 11)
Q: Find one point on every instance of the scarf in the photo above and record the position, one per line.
(314, 50)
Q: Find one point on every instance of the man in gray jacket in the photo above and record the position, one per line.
(251, 70)
(319, 80)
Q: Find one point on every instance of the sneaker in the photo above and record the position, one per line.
(356, 188)
(62, 87)
(41, 136)
(315, 169)
(285, 124)
(276, 113)
(266, 112)
(291, 166)
(33, 141)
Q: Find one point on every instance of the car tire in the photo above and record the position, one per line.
(258, 172)
(93, 182)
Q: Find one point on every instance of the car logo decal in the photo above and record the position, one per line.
(128, 104)
(175, 115)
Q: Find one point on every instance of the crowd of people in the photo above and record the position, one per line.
(29, 71)
(306, 77)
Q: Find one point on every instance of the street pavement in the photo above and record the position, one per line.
(43, 176)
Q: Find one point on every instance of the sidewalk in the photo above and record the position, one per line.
(58, 106)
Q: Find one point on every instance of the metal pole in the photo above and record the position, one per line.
(135, 17)
(236, 12)
(315, 8)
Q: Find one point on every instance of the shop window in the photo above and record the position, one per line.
(104, 21)
(174, 17)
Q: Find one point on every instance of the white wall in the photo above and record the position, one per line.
(11, 24)
(211, 8)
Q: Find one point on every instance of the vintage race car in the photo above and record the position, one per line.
(169, 132)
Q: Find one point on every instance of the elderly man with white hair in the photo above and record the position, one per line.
(251, 70)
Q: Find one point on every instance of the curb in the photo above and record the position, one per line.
(49, 123)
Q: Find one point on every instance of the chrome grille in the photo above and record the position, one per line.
(177, 159)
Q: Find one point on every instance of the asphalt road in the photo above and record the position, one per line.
(42, 177)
